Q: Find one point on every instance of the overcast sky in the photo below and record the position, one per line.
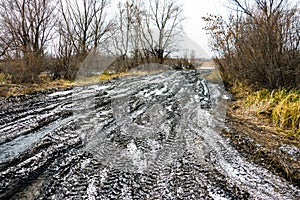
(193, 24)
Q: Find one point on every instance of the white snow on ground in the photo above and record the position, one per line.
(60, 93)
(166, 126)
(91, 190)
(136, 156)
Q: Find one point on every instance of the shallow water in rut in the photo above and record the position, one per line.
(144, 137)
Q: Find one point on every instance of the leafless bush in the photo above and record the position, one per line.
(31, 31)
(259, 44)
(25, 30)
(20, 71)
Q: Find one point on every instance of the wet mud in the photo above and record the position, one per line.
(154, 136)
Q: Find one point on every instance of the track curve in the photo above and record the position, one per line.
(144, 137)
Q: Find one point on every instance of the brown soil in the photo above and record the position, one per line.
(262, 143)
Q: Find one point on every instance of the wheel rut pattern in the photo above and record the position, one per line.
(145, 137)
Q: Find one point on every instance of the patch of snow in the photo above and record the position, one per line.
(136, 156)
(91, 190)
(216, 196)
(60, 93)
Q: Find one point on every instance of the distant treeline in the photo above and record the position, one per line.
(57, 35)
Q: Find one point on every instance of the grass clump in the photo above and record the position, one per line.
(5, 78)
(105, 77)
(282, 106)
(8, 90)
(213, 76)
(240, 89)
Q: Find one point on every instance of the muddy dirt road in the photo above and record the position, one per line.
(147, 137)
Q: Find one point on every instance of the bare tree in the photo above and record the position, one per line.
(135, 34)
(102, 24)
(122, 26)
(27, 24)
(4, 44)
(162, 22)
(65, 54)
(83, 28)
(85, 22)
(125, 36)
(126, 28)
(26, 29)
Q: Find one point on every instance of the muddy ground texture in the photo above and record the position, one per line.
(154, 136)
(261, 142)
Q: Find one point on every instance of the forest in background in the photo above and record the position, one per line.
(56, 35)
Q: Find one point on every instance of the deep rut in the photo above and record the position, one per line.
(147, 137)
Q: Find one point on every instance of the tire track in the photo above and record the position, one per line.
(147, 137)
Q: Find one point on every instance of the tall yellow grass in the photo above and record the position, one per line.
(283, 106)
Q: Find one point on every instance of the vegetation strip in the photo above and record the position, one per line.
(264, 126)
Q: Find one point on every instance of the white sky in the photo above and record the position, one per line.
(193, 24)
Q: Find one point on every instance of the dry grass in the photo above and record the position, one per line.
(208, 63)
(7, 89)
(241, 90)
(282, 107)
(262, 122)
(213, 76)
(104, 77)
(286, 113)
(5, 79)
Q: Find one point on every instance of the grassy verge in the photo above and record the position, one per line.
(281, 108)
(8, 89)
(213, 76)
(104, 77)
(264, 126)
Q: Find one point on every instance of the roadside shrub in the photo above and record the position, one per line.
(259, 44)
(65, 67)
(23, 70)
(213, 76)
